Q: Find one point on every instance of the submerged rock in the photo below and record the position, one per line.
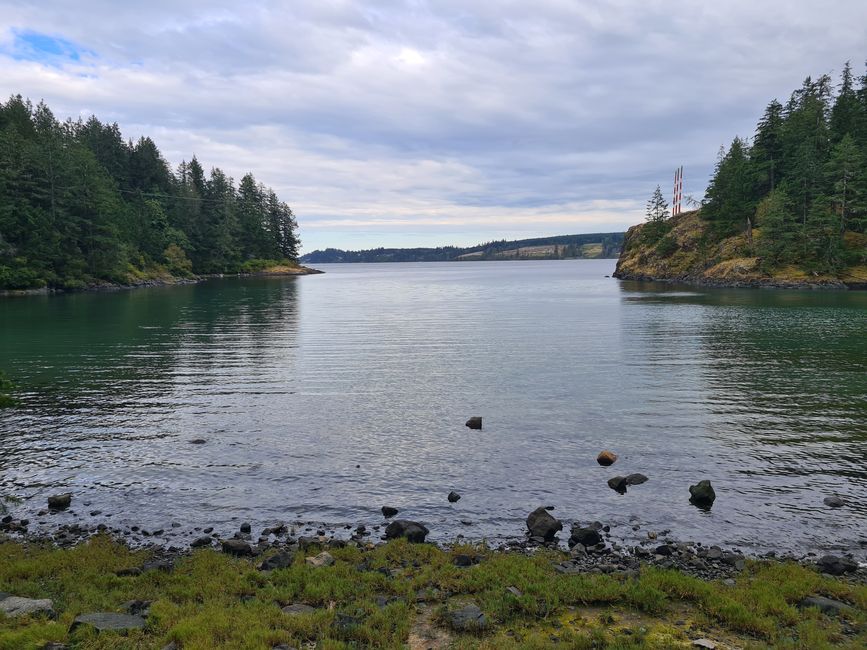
(60, 501)
(834, 502)
(388, 511)
(14, 606)
(474, 422)
(541, 524)
(411, 530)
(702, 494)
(606, 458)
(454, 497)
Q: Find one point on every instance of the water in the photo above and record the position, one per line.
(323, 398)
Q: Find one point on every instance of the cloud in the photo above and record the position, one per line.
(433, 122)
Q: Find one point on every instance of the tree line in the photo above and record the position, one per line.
(80, 205)
(801, 180)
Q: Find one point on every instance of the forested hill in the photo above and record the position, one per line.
(79, 206)
(787, 207)
(560, 247)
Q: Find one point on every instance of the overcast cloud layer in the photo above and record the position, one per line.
(425, 123)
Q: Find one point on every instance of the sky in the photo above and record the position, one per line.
(423, 123)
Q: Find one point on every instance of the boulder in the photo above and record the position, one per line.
(454, 497)
(834, 502)
(388, 511)
(109, 621)
(296, 609)
(835, 565)
(540, 523)
(702, 494)
(467, 619)
(236, 547)
(200, 542)
(59, 501)
(825, 605)
(618, 484)
(636, 479)
(411, 530)
(279, 561)
(585, 536)
(14, 606)
(606, 458)
(474, 422)
(246, 528)
(323, 559)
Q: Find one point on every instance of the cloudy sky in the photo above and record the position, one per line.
(432, 122)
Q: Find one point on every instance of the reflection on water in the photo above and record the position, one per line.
(323, 398)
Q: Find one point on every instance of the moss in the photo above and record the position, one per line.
(211, 600)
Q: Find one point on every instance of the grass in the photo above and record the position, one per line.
(211, 600)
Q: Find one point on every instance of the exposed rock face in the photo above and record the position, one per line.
(540, 523)
(606, 458)
(14, 606)
(109, 621)
(411, 530)
(454, 497)
(702, 494)
(474, 422)
(59, 501)
(388, 511)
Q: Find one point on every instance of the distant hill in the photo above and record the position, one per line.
(590, 246)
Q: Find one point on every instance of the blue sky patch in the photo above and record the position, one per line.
(44, 48)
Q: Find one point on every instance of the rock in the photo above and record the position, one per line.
(279, 561)
(199, 542)
(540, 523)
(618, 484)
(665, 550)
(826, 605)
(236, 547)
(108, 621)
(54, 645)
(463, 560)
(606, 458)
(636, 479)
(388, 511)
(454, 497)
(467, 619)
(474, 422)
(14, 606)
(704, 643)
(137, 607)
(702, 494)
(345, 623)
(411, 530)
(158, 564)
(514, 591)
(246, 528)
(296, 609)
(835, 565)
(323, 559)
(198, 441)
(584, 536)
(834, 502)
(59, 501)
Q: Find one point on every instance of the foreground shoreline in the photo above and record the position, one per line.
(280, 271)
(306, 592)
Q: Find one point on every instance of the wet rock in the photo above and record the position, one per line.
(279, 561)
(388, 511)
(246, 528)
(14, 606)
(467, 619)
(198, 441)
(835, 565)
(636, 479)
(618, 484)
(109, 621)
(201, 542)
(541, 524)
(584, 536)
(826, 605)
(454, 497)
(474, 422)
(236, 547)
(702, 494)
(606, 458)
(323, 559)
(665, 550)
(466, 522)
(296, 609)
(834, 502)
(411, 530)
(59, 501)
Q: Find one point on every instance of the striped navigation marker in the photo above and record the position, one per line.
(678, 191)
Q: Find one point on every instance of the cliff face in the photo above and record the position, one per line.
(691, 255)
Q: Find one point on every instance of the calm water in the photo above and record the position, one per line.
(323, 398)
